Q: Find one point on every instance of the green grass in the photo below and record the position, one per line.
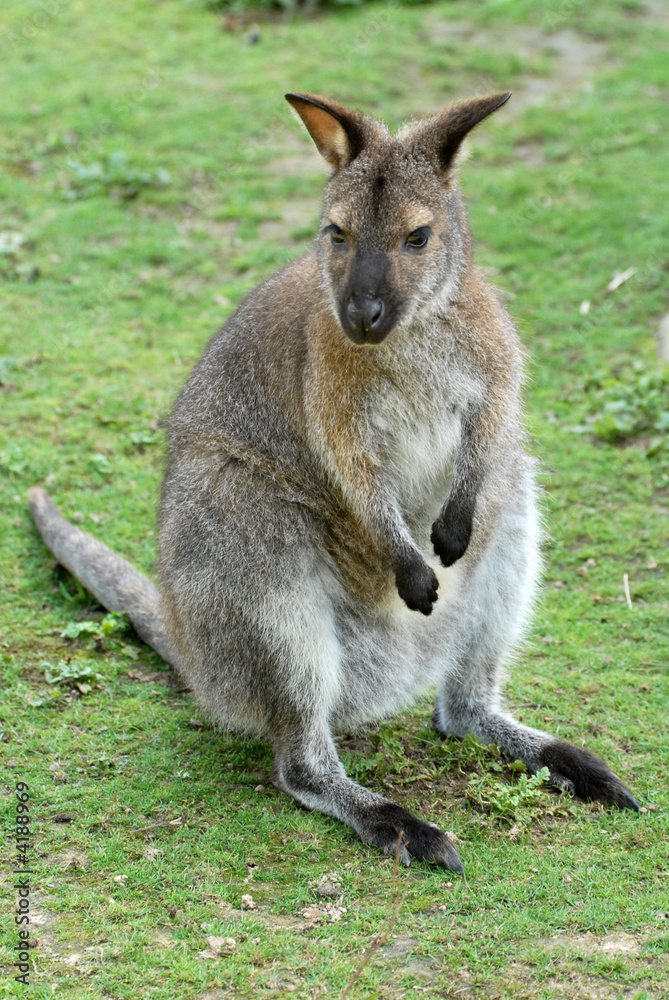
(154, 175)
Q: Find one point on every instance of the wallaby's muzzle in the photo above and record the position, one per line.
(364, 320)
(367, 312)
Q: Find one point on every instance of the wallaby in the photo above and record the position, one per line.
(348, 515)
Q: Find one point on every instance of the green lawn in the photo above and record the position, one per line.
(150, 175)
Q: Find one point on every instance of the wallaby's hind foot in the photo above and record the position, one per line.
(582, 773)
(307, 767)
(576, 770)
(420, 840)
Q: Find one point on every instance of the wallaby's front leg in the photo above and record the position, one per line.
(416, 582)
(307, 767)
(452, 530)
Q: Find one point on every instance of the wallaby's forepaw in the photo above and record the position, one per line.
(450, 537)
(417, 585)
(385, 824)
(579, 772)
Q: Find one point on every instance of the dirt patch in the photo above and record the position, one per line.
(654, 10)
(531, 153)
(569, 977)
(398, 952)
(221, 232)
(295, 214)
(275, 921)
(296, 158)
(574, 58)
(663, 339)
(617, 943)
(64, 860)
(570, 986)
(42, 925)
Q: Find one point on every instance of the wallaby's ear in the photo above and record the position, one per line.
(337, 132)
(442, 135)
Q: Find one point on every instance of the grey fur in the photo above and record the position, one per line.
(356, 418)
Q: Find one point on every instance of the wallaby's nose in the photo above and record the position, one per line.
(364, 314)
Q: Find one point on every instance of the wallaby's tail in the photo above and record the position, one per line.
(113, 581)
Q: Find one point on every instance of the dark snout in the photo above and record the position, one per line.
(364, 316)
(366, 309)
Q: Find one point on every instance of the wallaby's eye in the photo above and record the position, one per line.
(336, 234)
(419, 237)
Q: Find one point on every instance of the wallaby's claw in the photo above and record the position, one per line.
(387, 823)
(628, 800)
(417, 585)
(450, 539)
(564, 784)
(582, 773)
(401, 849)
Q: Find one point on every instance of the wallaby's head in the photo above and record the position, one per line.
(393, 233)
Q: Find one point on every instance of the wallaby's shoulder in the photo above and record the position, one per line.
(483, 329)
(270, 316)
(252, 368)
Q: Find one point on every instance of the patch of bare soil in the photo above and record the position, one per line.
(398, 953)
(296, 156)
(663, 339)
(295, 214)
(574, 58)
(69, 859)
(42, 927)
(273, 921)
(49, 949)
(617, 943)
(569, 977)
(654, 10)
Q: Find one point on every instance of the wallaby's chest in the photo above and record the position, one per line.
(415, 428)
(417, 441)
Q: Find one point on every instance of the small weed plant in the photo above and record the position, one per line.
(628, 406)
(111, 625)
(520, 803)
(113, 176)
(71, 674)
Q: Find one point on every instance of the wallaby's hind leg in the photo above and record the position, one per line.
(306, 766)
(470, 701)
(577, 770)
(262, 644)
